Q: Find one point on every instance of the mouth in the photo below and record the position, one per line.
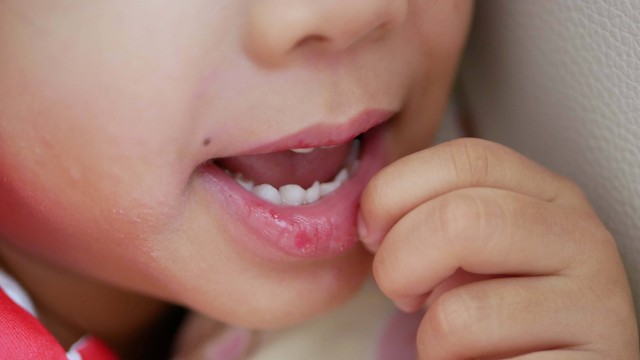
(298, 196)
(295, 177)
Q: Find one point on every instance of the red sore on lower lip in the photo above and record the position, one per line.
(320, 230)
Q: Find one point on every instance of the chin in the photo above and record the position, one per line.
(283, 297)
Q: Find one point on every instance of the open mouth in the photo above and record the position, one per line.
(295, 177)
(299, 197)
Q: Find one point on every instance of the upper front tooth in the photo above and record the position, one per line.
(303, 150)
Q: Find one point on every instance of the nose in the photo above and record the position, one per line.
(277, 30)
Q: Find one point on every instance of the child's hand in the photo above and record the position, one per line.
(509, 258)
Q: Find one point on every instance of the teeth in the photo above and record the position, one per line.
(247, 184)
(292, 194)
(303, 150)
(268, 193)
(342, 176)
(313, 193)
(328, 188)
(308, 150)
(296, 195)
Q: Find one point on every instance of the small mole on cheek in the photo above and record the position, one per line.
(206, 142)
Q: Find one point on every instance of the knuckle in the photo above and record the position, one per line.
(472, 160)
(580, 197)
(387, 272)
(463, 214)
(569, 189)
(591, 241)
(454, 213)
(449, 321)
(567, 192)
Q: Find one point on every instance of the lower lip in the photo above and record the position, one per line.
(323, 229)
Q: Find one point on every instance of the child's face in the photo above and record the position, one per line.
(111, 110)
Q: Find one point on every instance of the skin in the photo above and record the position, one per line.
(509, 258)
(107, 109)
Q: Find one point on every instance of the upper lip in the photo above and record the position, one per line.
(326, 134)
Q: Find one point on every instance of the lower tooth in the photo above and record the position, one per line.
(328, 188)
(292, 194)
(268, 193)
(313, 193)
(247, 184)
(342, 176)
(295, 195)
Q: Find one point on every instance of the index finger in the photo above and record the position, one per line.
(454, 165)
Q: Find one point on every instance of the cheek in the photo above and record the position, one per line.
(105, 109)
(438, 29)
(79, 172)
(103, 234)
(88, 178)
(81, 149)
(444, 24)
(45, 213)
(97, 139)
(74, 190)
(437, 33)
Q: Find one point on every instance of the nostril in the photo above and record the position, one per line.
(337, 43)
(276, 27)
(311, 40)
(320, 44)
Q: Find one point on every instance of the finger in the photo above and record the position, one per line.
(484, 231)
(503, 318)
(459, 278)
(422, 176)
(559, 355)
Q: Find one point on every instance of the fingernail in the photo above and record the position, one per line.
(362, 228)
(362, 234)
(407, 305)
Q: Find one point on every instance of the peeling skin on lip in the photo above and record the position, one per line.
(314, 232)
(306, 232)
(326, 228)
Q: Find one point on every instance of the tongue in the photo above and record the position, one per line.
(288, 167)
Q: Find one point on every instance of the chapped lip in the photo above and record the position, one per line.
(326, 228)
(325, 134)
